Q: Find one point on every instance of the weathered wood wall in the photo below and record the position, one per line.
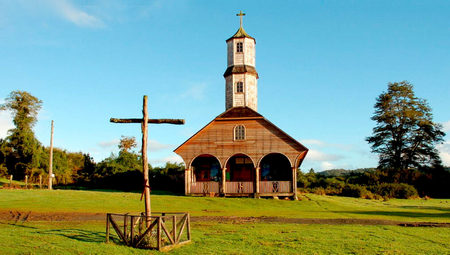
(261, 139)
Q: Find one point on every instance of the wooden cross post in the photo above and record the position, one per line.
(144, 124)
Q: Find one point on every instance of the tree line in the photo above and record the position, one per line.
(21, 154)
(404, 137)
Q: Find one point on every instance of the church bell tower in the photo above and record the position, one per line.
(241, 76)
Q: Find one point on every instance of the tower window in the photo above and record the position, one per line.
(239, 47)
(239, 87)
(239, 132)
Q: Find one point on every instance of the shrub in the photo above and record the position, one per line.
(355, 190)
(395, 190)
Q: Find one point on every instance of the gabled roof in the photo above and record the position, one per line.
(241, 34)
(243, 113)
(239, 112)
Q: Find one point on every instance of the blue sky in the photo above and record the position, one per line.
(321, 66)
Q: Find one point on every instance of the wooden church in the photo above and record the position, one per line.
(241, 153)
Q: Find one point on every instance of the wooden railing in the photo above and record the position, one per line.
(162, 232)
(205, 187)
(239, 187)
(275, 187)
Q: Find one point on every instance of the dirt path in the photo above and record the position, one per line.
(15, 216)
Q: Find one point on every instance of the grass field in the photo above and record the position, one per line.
(311, 206)
(74, 237)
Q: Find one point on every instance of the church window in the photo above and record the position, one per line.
(239, 132)
(239, 87)
(239, 47)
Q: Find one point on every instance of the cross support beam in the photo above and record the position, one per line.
(152, 121)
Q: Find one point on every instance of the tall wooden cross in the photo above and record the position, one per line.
(241, 14)
(144, 123)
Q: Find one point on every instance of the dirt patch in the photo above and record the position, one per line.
(16, 216)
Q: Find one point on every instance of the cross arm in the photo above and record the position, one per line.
(153, 121)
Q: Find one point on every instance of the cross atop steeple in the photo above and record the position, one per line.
(241, 14)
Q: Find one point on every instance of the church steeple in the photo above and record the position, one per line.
(241, 76)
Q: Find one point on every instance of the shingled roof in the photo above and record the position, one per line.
(241, 34)
(239, 112)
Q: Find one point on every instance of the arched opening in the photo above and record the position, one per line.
(206, 174)
(206, 168)
(275, 174)
(240, 174)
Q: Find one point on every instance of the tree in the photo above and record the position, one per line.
(127, 143)
(405, 134)
(21, 149)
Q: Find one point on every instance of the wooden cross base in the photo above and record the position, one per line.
(165, 232)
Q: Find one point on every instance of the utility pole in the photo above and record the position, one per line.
(50, 164)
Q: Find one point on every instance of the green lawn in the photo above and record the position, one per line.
(219, 238)
(72, 237)
(434, 210)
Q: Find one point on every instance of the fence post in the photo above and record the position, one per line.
(188, 227)
(174, 227)
(132, 232)
(107, 228)
(158, 231)
(26, 181)
(10, 180)
(40, 181)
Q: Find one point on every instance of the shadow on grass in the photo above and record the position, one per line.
(399, 214)
(437, 208)
(77, 234)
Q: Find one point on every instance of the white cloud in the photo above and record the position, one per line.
(444, 152)
(446, 126)
(108, 144)
(5, 123)
(315, 155)
(196, 91)
(327, 165)
(154, 145)
(161, 161)
(70, 12)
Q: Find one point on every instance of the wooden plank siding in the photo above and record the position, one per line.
(261, 138)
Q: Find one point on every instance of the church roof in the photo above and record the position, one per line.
(239, 112)
(241, 34)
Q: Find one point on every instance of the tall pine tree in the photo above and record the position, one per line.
(405, 134)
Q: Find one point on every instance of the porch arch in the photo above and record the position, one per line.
(240, 167)
(205, 167)
(275, 167)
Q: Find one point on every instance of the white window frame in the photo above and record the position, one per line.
(239, 133)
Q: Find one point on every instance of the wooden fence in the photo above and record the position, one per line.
(162, 232)
(205, 187)
(239, 187)
(275, 187)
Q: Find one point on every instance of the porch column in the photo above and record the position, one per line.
(257, 183)
(224, 179)
(187, 181)
(294, 182)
